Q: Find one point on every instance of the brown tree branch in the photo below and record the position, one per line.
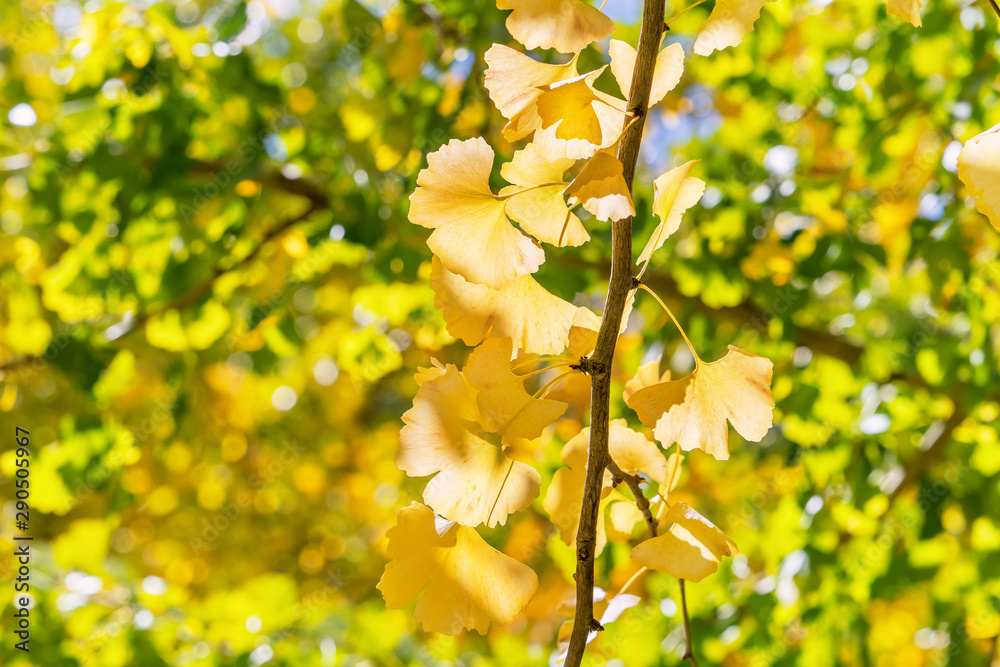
(599, 364)
(641, 501)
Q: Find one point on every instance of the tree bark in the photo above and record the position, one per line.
(599, 363)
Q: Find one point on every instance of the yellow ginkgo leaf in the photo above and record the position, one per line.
(515, 81)
(540, 208)
(587, 326)
(693, 411)
(472, 235)
(674, 194)
(601, 188)
(701, 529)
(504, 405)
(436, 370)
(647, 375)
(692, 548)
(474, 482)
(564, 25)
(580, 112)
(624, 517)
(979, 169)
(524, 311)
(463, 583)
(634, 453)
(728, 23)
(908, 10)
(667, 73)
(583, 333)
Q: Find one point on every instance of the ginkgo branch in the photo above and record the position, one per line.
(641, 501)
(676, 323)
(619, 287)
(996, 8)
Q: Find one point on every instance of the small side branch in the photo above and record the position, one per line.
(619, 475)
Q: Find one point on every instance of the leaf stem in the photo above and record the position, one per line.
(653, 245)
(631, 580)
(538, 360)
(688, 653)
(547, 387)
(542, 370)
(676, 323)
(527, 189)
(996, 9)
(562, 232)
(689, 8)
(499, 493)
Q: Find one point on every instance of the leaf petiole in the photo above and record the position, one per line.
(542, 370)
(683, 12)
(676, 323)
(527, 189)
(548, 386)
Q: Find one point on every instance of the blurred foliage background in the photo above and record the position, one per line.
(212, 305)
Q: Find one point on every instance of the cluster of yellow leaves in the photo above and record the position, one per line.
(449, 433)
(465, 425)
(630, 450)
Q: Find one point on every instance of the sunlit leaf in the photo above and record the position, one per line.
(675, 193)
(515, 82)
(728, 23)
(666, 74)
(542, 211)
(472, 235)
(504, 405)
(600, 188)
(535, 319)
(462, 582)
(564, 25)
(474, 482)
(692, 548)
(693, 411)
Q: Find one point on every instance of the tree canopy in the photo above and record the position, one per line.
(214, 303)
